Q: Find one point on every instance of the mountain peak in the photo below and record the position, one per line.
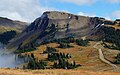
(54, 24)
(59, 15)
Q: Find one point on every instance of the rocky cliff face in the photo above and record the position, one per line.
(53, 24)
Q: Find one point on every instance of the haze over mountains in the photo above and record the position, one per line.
(8, 25)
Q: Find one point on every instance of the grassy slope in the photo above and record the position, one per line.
(4, 29)
(85, 56)
(114, 26)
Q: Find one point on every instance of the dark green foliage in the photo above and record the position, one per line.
(64, 45)
(112, 36)
(27, 48)
(42, 64)
(65, 40)
(63, 64)
(57, 56)
(117, 61)
(32, 56)
(7, 36)
(22, 51)
(31, 64)
(61, 40)
(82, 42)
(50, 50)
(109, 22)
(35, 64)
(109, 46)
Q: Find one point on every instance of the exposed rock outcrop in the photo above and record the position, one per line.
(53, 24)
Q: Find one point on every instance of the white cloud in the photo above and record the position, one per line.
(79, 2)
(116, 14)
(93, 15)
(114, 1)
(24, 10)
(107, 18)
(86, 14)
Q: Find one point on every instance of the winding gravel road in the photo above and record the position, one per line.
(101, 55)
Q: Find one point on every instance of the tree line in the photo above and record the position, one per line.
(7, 36)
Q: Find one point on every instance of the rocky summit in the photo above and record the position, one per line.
(54, 24)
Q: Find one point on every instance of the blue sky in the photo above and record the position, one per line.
(102, 8)
(28, 10)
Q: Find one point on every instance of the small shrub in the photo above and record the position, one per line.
(63, 64)
(64, 45)
(57, 56)
(50, 50)
(117, 61)
(82, 42)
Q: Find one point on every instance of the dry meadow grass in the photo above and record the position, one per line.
(52, 72)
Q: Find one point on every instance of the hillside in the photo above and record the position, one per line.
(8, 24)
(87, 57)
(59, 40)
(52, 25)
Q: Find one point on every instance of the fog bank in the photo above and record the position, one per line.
(7, 60)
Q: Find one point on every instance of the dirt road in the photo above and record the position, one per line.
(101, 55)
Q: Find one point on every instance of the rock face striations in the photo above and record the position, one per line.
(53, 24)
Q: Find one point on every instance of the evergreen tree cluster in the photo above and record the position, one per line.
(63, 64)
(64, 45)
(27, 48)
(65, 40)
(50, 50)
(82, 42)
(60, 40)
(33, 63)
(112, 36)
(117, 61)
(57, 56)
(7, 36)
(109, 46)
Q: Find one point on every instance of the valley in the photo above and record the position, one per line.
(59, 41)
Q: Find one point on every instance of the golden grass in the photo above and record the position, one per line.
(85, 56)
(52, 72)
(4, 29)
(114, 26)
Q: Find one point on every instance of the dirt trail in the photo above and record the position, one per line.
(101, 55)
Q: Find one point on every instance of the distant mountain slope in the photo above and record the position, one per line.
(8, 24)
(53, 24)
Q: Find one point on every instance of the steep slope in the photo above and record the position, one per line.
(8, 24)
(52, 25)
